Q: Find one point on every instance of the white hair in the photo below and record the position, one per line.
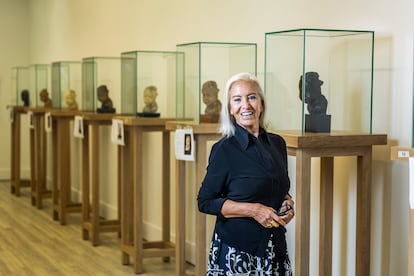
(227, 120)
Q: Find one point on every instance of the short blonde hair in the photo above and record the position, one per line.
(227, 120)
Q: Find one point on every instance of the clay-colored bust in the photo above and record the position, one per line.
(70, 100)
(150, 96)
(44, 97)
(210, 98)
(212, 111)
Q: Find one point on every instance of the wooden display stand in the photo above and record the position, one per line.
(202, 134)
(38, 157)
(16, 183)
(402, 154)
(92, 224)
(327, 147)
(132, 184)
(61, 167)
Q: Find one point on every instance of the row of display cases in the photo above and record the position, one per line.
(315, 80)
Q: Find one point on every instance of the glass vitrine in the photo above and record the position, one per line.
(101, 84)
(208, 66)
(39, 86)
(319, 80)
(66, 84)
(151, 81)
(20, 86)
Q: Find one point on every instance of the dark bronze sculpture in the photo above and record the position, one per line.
(106, 102)
(25, 96)
(317, 120)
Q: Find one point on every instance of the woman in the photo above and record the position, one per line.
(246, 182)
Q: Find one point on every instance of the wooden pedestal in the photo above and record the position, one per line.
(92, 224)
(38, 158)
(16, 182)
(61, 156)
(132, 185)
(327, 147)
(202, 134)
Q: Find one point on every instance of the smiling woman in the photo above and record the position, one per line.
(246, 182)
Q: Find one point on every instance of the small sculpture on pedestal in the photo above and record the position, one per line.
(44, 97)
(25, 96)
(317, 120)
(150, 101)
(106, 102)
(70, 100)
(210, 99)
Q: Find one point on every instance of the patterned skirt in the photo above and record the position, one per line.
(228, 261)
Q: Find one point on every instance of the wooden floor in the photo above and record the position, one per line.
(31, 243)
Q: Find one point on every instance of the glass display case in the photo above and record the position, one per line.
(39, 91)
(319, 80)
(20, 86)
(208, 66)
(101, 84)
(66, 84)
(151, 83)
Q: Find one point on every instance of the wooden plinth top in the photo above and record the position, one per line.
(62, 113)
(295, 139)
(143, 121)
(18, 108)
(198, 128)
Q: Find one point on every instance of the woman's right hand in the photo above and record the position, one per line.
(267, 216)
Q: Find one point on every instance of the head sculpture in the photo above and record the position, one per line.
(70, 99)
(312, 94)
(150, 96)
(106, 102)
(44, 97)
(25, 96)
(209, 92)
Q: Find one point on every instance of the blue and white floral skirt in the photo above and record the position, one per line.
(228, 261)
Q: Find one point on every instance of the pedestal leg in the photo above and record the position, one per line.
(166, 189)
(127, 211)
(137, 181)
(363, 212)
(64, 170)
(326, 216)
(180, 219)
(55, 169)
(302, 217)
(94, 182)
(411, 243)
(85, 180)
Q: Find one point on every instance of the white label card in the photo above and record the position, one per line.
(117, 133)
(184, 144)
(78, 127)
(48, 122)
(31, 119)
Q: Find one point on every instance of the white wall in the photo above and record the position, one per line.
(14, 51)
(58, 30)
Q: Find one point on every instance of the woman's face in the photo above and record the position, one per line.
(246, 105)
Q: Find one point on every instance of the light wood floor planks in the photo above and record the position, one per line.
(31, 243)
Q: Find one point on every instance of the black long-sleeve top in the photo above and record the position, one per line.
(244, 168)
